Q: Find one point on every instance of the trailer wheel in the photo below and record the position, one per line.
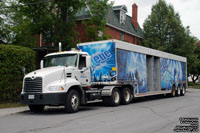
(114, 99)
(72, 102)
(178, 91)
(173, 93)
(183, 89)
(36, 108)
(126, 97)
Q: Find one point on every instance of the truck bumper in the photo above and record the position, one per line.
(43, 98)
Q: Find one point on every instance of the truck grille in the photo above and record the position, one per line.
(33, 85)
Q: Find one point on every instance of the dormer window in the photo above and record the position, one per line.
(120, 12)
(122, 17)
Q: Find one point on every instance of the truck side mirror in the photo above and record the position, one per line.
(41, 64)
(88, 61)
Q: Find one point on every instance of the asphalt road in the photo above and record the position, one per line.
(145, 115)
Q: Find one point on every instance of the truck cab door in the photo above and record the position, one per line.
(84, 71)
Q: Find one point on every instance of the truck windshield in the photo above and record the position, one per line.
(61, 60)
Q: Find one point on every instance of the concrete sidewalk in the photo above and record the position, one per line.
(9, 111)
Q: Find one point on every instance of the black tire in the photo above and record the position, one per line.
(183, 90)
(178, 91)
(72, 102)
(173, 93)
(36, 108)
(126, 97)
(114, 99)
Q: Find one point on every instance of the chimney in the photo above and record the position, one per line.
(134, 15)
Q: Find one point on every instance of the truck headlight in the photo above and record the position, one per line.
(55, 88)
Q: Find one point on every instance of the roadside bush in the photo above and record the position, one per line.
(191, 84)
(194, 85)
(12, 59)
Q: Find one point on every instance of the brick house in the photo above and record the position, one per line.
(119, 25)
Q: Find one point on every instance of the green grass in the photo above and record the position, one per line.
(193, 85)
(10, 105)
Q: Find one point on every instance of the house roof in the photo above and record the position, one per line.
(120, 7)
(113, 21)
(83, 14)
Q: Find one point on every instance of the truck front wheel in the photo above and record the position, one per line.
(114, 99)
(36, 108)
(72, 101)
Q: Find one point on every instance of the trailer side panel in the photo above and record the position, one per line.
(131, 68)
(172, 73)
(103, 67)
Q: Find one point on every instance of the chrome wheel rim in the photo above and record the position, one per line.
(127, 96)
(179, 90)
(173, 92)
(183, 90)
(75, 102)
(116, 97)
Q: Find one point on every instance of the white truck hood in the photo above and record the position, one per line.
(51, 75)
(45, 71)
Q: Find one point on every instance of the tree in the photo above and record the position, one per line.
(195, 72)
(2, 34)
(164, 31)
(54, 19)
(96, 25)
(23, 34)
(14, 25)
(5, 22)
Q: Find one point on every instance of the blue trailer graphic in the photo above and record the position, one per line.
(113, 61)
(103, 61)
(132, 68)
(172, 72)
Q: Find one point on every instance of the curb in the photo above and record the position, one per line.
(12, 111)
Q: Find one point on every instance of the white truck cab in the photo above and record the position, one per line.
(60, 72)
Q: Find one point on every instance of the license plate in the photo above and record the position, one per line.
(31, 97)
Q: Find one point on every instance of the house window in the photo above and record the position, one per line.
(134, 40)
(122, 17)
(122, 36)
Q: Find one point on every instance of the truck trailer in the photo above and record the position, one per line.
(110, 71)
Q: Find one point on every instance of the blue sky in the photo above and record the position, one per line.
(188, 10)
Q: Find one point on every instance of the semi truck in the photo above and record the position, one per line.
(110, 71)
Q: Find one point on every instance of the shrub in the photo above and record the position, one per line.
(194, 85)
(191, 84)
(12, 59)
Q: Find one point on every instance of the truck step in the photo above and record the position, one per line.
(94, 101)
(93, 91)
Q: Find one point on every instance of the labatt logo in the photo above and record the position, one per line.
(101, 58)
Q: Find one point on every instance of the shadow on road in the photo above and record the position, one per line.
(59, 110)
(150, 98)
